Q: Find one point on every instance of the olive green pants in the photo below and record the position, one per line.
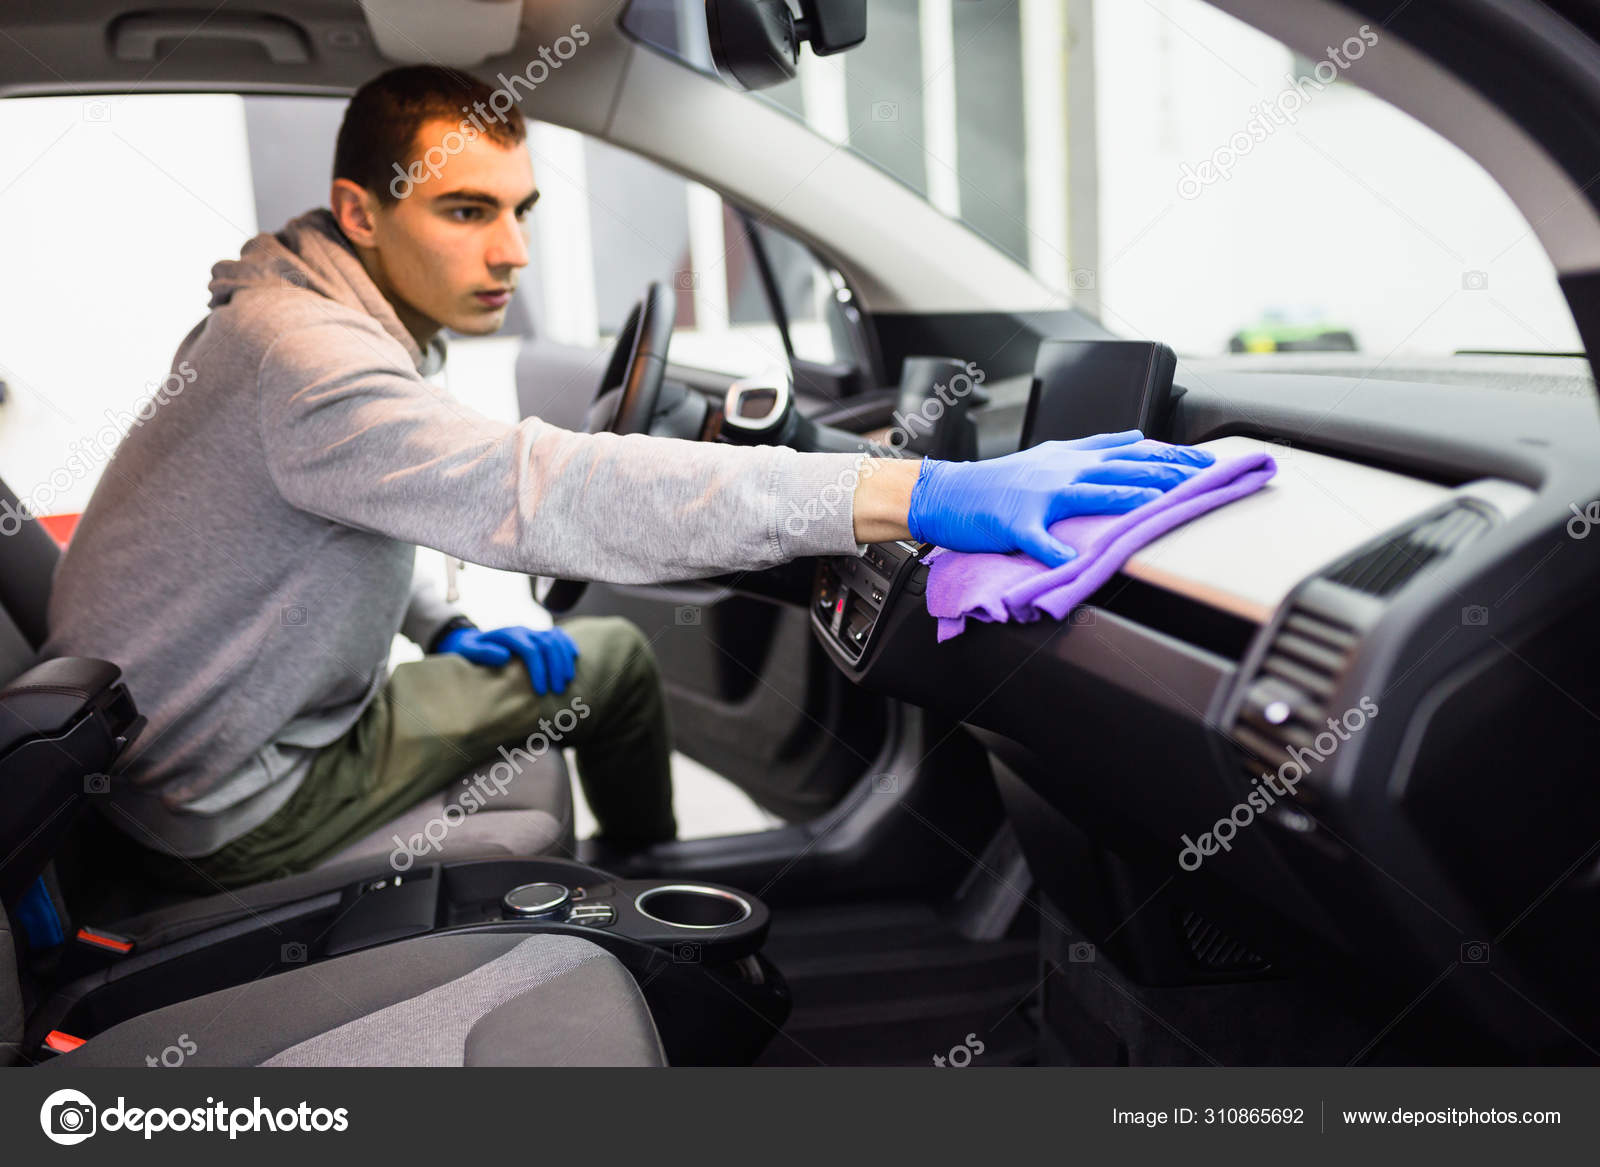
(441, 717)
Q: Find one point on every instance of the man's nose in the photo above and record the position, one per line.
(509, 247)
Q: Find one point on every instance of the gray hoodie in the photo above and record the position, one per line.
(247, 557)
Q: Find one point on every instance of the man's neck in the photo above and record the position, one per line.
(422, 328)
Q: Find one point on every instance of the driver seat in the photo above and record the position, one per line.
(534, 817)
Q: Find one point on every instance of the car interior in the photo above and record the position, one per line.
(997, 841)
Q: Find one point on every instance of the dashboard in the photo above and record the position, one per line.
(1247, 557)
(1413, 557)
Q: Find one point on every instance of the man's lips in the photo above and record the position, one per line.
(495, 299)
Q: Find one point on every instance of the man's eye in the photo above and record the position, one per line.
(465, 214)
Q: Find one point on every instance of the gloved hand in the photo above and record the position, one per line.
(550, 654)
(1007, 504)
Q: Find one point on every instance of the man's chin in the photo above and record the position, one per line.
(478, 323)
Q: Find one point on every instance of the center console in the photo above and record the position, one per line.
(851, 593)
(694, 948)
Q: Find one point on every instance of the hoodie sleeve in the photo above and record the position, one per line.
(352, 434)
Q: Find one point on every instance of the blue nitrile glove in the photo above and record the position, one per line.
(550, 654)
(1007, 504)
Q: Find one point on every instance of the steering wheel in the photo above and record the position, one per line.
(624, 403)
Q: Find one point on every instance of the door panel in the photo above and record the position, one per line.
(751, 695)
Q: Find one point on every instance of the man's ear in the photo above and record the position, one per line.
(355, 210)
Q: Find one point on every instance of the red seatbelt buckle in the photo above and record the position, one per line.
(105, 941)
(60, 527)
(61, 1043)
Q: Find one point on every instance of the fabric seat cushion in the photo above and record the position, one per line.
(533, 817)
(498, 999)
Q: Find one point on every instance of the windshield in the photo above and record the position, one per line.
(1179, 175)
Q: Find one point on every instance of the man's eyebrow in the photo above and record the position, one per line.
(483, 198)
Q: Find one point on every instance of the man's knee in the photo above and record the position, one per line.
(618, 653)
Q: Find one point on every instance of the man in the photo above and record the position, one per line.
(247, 557)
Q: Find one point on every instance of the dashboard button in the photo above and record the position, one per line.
(592, 915)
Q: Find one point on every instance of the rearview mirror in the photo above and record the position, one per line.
(755, 44)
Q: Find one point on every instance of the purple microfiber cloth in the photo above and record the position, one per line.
(998, 588)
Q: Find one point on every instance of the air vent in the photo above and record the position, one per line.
(1286, 705)
(1213, 949)
(1386, 568)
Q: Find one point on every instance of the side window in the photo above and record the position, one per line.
(810, 297)
(114, 209)
(609, 222)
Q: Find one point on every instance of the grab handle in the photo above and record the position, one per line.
(135, 37)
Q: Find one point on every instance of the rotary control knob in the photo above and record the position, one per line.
(538, 901)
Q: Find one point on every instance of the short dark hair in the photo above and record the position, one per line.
(381, 122)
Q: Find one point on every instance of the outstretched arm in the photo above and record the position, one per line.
(349, 436)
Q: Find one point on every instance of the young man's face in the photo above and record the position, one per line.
(453, 249)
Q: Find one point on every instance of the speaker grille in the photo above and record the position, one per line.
(1213, 949)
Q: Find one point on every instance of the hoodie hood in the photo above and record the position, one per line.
(311, 256)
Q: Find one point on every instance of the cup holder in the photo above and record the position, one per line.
(692, 905)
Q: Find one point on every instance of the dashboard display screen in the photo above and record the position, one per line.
(1083, 387)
